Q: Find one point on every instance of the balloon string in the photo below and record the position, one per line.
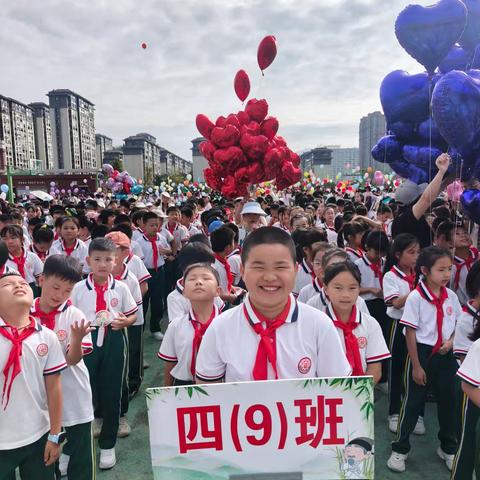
(430, 119)
(457, 207)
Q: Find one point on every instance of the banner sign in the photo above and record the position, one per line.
(276, 430)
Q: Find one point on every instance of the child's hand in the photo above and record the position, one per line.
(378, 292)
(446, 347)
(419, 376)
(443, 162)
(51, 453)
(80, 330)
(121, 321)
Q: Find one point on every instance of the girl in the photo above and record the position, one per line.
(69, 244)
(184, 334)
(26, 263)
(329, 225)
(352, 235)
(467, 332)
(299, 221)
(360, 334)
(399, 280)
(430, 315)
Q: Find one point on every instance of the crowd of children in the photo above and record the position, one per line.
(253, 290)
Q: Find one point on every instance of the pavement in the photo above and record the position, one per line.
(133, 452)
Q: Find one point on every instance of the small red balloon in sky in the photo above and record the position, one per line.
(267, 51)
(144, 45)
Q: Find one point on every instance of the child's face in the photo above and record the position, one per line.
(13, 243)
(101, 263)
(357, 240)
(300, 222)
(121, 254)
(69, 231)
(343, 291)
(355, 452)
(462, 238)
(284, 218)
(14, 292)
(43, 246)
(269, 274)
(317, 264)
(329, 216)
(173, 217)
(440, 272)
(374, 255)
(83, 233)
(409, 256)
(185, 221)
(151, 227)
(200, 285)
(55, 290)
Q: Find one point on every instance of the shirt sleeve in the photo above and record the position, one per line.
(129, 305)
(411, 312)
(469, 371)
(136, 292)
(461, 342)
(55, 360)
(167, 351)
(303, 295)
(390, 288)
(209, 365)
(37, 266)
(137, 250)
(377, 349)
(143, 274)
(362, 306)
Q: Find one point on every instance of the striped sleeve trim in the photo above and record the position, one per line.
(378, 358)
(408, 324)
(391, 297)
(459, 351)
(208, 378)
(87, 348)
(55, 369)
(167, 358)
(144, 278)
(467, 379)
(130, 312)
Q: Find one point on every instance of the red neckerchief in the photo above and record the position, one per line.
(460, 263)
(226, 265)
(307, 269)
(267, 347)
(41, 255)
(317, 285)
(352, 351)
(438, 303)
(13, 365)
(200, 329)
(410, 279)
(357, 252)
(2, 269)
(100, 302)
(376, 268)
(47, 319)
(171, 229)
(68, 250)
(119, 277)
(20, 262)
(56, 236)
(153, 243)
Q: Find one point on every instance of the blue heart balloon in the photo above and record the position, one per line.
(405, 97)
(387, 150)
(428, 33)
(412, 172)
(470, 200)
(457, 59)
(471, 35)
(402, 130)
(421, 156)
(428, 130)
(456, 110)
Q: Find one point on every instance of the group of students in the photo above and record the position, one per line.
(254, 291)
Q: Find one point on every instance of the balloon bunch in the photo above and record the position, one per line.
(438, 109)
(243, 149)
(121, 183)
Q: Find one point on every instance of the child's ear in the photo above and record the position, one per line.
(41, 280)
(424, 270)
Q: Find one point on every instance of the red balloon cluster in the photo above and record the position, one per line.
(243, 149)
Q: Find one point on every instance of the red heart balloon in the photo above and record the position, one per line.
(256, 172)
(230, 158)
(213, 181)
(225, 137)
(207, 149)
(267, 51)
(242, 175)
(221, 121)
(232, 120)
(272, 163)
(243, 117)
(229, 187)
(204, 125)
(290, 173)
(252, 128)
(280, 141)
(241, 85)
(270, 127)
(254, 146)
(257, 109)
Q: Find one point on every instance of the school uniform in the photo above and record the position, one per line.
(28, 265)
(41, 255)
(136, 249)
(310, 290)
(307, 345)
(79, 251)
(181, 343)
(354, 254)
(137, 233)
(24, 419)
(137, 267)
(361, 338)
(179, 306)
(466, 458)
(179, 233)
(77, 410)
(282, 227)
(332, 235)
(222, 267)
(460, 271)
(464, 328)
(180, 237)
(235, 261)
(108, 362)
(193, 230)
(320, 302)
(305, 275)
(433, 320)
(155, 264)
(396, 284)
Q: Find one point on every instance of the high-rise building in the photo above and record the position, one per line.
(73, 124)
(344, 160)
(115, 158)
(319, 160)
(43, 134)
(199, 162)
(372, 128)
(17, 137)
(103, 144)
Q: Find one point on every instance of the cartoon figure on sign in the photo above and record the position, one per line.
(355, 457)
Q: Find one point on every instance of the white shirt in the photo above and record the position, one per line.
(136, 249)
(76, 391)
(370, 338)
(138, 268)
(369, 280)
(180, 234)
(394, 286)
(33, 265)
(353, 254)
(136, 233)
(146, 246)
(235, 261)
(179, 306)
(222, 273)
(469, 370)
(26, 418)
(281, 227)
(464, 328)
(131, 281)
(304, 276)
(177, 345)
(80, 252)
(461, 266)
(320, 301)
(309, 291)
(332, 236)
(421, 315)
(193, 230)
(307, 346)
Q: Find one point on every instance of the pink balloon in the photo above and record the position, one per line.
(378, 178)
(454, 191)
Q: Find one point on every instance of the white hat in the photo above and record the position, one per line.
(149, 204)
(252, 207)
(165, 194)
(160, 213)
(140, 205)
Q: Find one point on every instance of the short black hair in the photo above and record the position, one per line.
(172, 209)
(42, 234)
(104, 215)
(187, 212)
(268, 236)
(101, 245)
(63, 267)
(137, 215)
(122, 218)
(12, 230)
(377, 240)
(221, 238)
(99, 231)
(124, 228)
(149, 216)
(34, 222)
(335, 269)
(235, 229)
(194, 252)
(85, 222)
(446, 229)
(200, 238)
(3, 253)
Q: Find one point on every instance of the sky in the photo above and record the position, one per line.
(332, 57)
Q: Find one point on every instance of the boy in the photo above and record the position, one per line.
(184, 334)
(55, 312)
(109, 305)
(187, 221)
(306, 342)
(233, 257)
(42, 241)
(31, 403)
(154, 247)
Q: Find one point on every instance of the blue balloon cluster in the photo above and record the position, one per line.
(439, 109)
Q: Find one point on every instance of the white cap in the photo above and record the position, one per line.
(140, 205)
(252, 207)
(165, 194)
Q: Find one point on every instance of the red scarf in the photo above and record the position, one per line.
(47, 319)
(41, 255)
(267, 347)
(357, 252)
(20, 262)
(226, 265)
(460, 263)
(410, 279)
(101, 303)
(68, 250)
(377, 271)
(200, 329)
(2, 269)
(171, 229)
(352, 351)
(153, 243)
(438, 303)
(13, 365)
